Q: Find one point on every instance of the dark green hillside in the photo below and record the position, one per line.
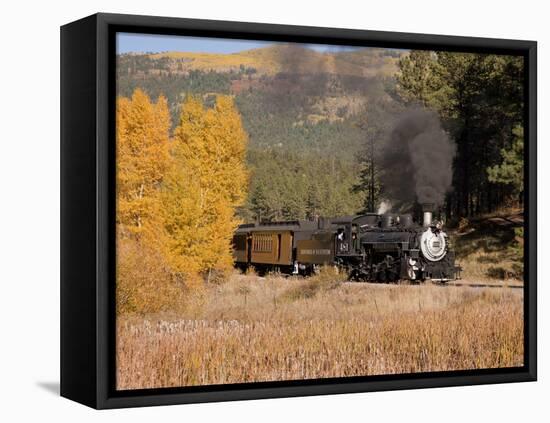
(289, 185)
(287, 128)
(173, 86)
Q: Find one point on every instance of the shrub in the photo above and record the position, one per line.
(498, 273)
(145, 284)
(325, 279)
(463, 223)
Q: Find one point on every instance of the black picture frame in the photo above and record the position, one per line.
(88, 219)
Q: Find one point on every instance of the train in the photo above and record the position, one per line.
(369, 247)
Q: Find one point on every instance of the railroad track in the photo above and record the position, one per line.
(456, 284)
(442, 284)
(480, 285)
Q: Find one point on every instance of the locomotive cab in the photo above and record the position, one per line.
(347, 240)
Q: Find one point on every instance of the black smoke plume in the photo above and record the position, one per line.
(417, 160)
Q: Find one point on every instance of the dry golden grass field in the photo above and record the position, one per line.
(274, 328)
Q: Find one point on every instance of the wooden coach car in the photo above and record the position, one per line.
(283, 245)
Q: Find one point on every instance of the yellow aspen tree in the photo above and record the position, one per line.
(144, 281)
(207, 182)
(181, 194)
(142, 159)
(227, 139)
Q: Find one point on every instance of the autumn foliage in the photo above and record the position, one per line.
(176, 198)
(204, 185)
(142, 160)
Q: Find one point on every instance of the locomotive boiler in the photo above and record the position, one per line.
(370, 247)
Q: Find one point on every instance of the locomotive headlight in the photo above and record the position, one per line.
(433, 245)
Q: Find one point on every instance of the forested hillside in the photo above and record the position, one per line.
(320, 125)
(301, 109)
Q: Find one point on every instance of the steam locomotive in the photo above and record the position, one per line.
(370, 247)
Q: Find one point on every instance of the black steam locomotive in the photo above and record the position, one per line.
(370, 247)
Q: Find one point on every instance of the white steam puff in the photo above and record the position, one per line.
(384, 207)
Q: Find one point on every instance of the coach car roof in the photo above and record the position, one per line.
(299, 225)
(295, 225)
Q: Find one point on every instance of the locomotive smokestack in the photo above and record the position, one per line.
(427, 209)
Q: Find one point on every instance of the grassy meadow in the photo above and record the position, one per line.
(254, 329)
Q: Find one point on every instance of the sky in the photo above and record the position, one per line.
(141, 43)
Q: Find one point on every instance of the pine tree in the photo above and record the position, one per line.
(418, 81)
(369, 177)
(510, 171)
(259, 203)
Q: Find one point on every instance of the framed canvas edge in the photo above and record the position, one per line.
(531, 252)
(78, 169)
(106, 397)
(336, 388)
